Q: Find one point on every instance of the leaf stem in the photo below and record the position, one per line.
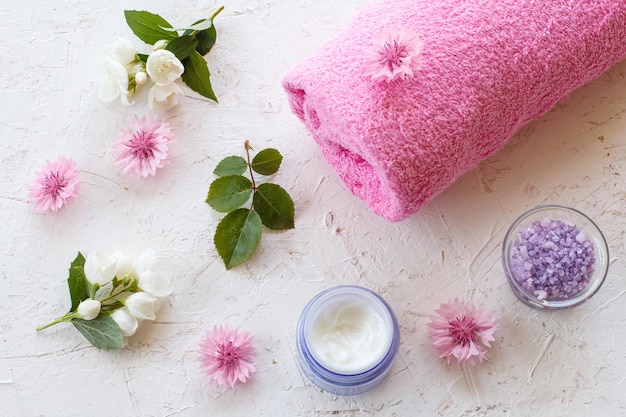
(214, 15)
(68, 317)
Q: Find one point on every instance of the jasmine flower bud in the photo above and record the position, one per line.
(141, 78)
(160, 44)
(89, 309)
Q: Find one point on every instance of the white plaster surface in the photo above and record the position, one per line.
(568, 363)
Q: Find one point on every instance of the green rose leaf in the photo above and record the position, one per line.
(229, 192)
(232, 165)
(148, 27)
(102, 332)
(237, 236)
(182, 46)
(197, 75)
(275, 206)
(267, 161)
(77, 282)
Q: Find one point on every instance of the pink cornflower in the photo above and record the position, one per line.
(56, 185)
(460, 330)
(143, 148)
(226, 355)
(394, 54)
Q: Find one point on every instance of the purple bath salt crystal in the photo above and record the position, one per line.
(552, 259)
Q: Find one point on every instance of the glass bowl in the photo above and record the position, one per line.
(554, 257)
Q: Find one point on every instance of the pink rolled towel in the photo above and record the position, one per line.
(487, 68)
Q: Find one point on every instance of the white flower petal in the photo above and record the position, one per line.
(99, 268)
(156, 284)
(124, 264)
(127, 322)
(142, 305)
(145, 261)
(122, 51)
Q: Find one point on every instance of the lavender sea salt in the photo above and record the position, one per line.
(554, 257)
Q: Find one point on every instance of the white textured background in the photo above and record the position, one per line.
(543, 363)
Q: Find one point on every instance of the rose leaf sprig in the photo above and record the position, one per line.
(238, 234)
(111, 295)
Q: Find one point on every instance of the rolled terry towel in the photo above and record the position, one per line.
(487, 68)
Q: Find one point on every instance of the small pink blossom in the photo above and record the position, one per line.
(56, 185)
(143, 148)
(460, 330)
(226, 355)
(394, 54)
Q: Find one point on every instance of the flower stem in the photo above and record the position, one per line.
(68, 317)
(248, 147)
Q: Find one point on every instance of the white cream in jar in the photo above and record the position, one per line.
(347, 337)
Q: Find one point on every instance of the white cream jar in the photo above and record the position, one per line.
(347, 338)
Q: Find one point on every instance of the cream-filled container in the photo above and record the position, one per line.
(347, 339)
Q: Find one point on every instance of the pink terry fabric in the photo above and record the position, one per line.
(488, 67)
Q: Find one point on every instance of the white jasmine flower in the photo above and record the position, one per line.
(114, 82)
(89, 309)
(150, 281)
(127, 322)
(142, 305)
(122, 51)
(99, 268)
(164, 96)
(163, 67)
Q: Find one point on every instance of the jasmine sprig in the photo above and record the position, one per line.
(189, 44)
(102, 331)
(111, 296)
(238, 234)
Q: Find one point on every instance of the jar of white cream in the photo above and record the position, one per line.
(347, 339)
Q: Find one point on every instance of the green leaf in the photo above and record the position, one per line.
(267, 161)
(232, 165)
(102, 332)
(237, 236)
(275, 206)
(197, 75)
(206, 40)
(77, 282)
(229, 192)
(182, 46)
(202, 24)
(148, 26)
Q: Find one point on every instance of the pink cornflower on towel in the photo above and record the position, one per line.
(460, 330)
(394, 54)
(143, 148)
(226, 355)
(56, 185)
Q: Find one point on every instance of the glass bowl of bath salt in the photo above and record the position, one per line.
(554, 257)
